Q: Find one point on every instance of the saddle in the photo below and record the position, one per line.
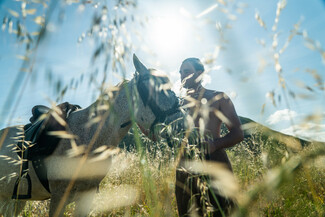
(38, 144)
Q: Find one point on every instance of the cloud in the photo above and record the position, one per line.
(309, 131)
(281, 115)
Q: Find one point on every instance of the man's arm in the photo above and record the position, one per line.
(227, 114)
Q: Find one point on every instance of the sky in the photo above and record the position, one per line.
(235, 40)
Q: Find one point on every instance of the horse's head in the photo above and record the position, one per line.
(157, 99)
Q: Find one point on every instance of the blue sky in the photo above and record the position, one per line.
(176, 30)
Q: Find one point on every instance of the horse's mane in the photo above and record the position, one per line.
(122, 83)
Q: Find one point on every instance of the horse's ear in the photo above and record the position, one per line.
(139, 66)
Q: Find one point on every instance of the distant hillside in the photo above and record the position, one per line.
(251, 128)
(255, 134)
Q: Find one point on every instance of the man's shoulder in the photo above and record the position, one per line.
(213, 94)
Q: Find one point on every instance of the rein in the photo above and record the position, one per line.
(151, 102)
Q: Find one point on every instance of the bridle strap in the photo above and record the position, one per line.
(126, 124)
(148, 101)
(160, 114)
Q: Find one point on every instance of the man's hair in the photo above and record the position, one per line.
(196, 62)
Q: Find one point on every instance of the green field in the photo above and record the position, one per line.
(272, 179)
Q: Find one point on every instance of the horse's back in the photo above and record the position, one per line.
(8, 140)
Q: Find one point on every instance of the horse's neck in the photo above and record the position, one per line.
(109, 125)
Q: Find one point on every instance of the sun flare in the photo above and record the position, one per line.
(168, 35)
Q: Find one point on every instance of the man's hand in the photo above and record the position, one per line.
(211, 147)
(234, 136)
(225, 112)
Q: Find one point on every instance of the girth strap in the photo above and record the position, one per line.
(23, 174)
(41, 172)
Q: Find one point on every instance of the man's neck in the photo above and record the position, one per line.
(195, 92)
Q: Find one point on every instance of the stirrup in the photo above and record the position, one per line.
(15, 195)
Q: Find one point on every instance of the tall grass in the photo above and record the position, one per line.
(273, 179)
(269, 185)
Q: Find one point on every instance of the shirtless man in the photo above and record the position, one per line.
(220, 109)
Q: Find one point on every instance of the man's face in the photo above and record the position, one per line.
(189, 75)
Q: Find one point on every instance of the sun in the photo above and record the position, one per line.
(168, 34)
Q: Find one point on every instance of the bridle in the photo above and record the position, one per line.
(144, 93)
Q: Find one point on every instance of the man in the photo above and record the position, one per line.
(210, 110)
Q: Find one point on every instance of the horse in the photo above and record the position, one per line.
(82, 156)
